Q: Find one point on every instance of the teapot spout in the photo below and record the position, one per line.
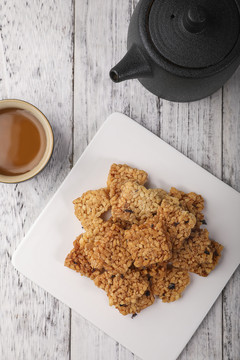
(134, 65)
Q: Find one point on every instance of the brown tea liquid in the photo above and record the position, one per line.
(22, 141)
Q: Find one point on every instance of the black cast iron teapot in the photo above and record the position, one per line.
(182, 50)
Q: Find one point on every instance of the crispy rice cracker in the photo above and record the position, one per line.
(198, 254)
(191, 202)
(168, 283)
(127, 288)
(129, 293)
(78, 261)
(178, 221)
(118, 175)
(148, 243)
(205, 268)
(136, 203)
(108, 250)
(141, 303)
(91, 206)
(104, 281)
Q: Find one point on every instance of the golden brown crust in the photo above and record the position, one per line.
(91, 206)
(78, 261)
(168, 283)
(178, 221)
(127, 288)
(136, 203)
(104, 280)
(148, 243)
(191, 202)
(129, 293)
(141, 303)
(109, 250)
(198, 254)
(120, 174)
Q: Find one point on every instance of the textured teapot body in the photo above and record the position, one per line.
(162, 77)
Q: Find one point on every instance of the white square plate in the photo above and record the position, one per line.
(162, 330)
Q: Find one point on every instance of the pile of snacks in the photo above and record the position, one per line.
(147, 247)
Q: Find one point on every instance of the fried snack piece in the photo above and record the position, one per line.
(195, 250)
(129, 293)
(127, 288)
(191, 202)
(178, 221)
(136, 203)
(77, 260)
(118, 175)
(104, 281)
(106, 248)
(218, 248)
(198, 254)
(149, 243)
(90, 206)
(141, 303)
(168, 283)
(205, 268)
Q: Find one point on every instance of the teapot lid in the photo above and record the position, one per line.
(194, 33)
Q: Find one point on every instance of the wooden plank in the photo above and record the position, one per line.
(231, 175)
(88, 342)
(36, 65)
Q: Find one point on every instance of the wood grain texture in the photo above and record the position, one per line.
(36, 65)
(231, 175)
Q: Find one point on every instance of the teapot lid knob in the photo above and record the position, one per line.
(195, 19)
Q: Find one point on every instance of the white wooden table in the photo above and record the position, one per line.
(57, 55)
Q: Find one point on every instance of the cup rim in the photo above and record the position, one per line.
(21, 104)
